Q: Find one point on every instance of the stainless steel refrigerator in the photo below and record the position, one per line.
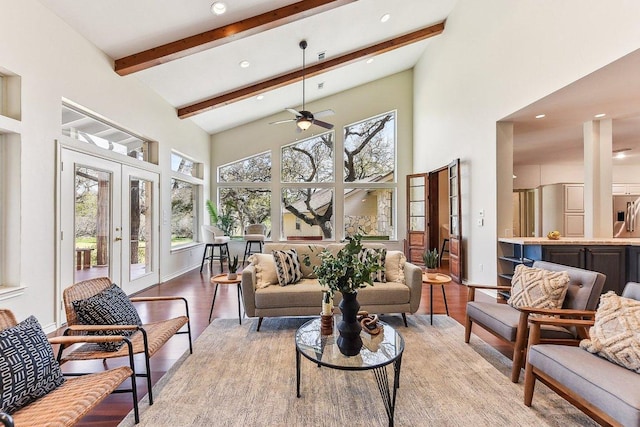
(626, 216)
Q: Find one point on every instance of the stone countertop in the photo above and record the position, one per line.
(603, 241)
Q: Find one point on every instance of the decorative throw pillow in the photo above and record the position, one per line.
(29, 369)
(109, 307)
(265, 270)
(539, 288)
(379, 275)
(394, 266)
(287, 267)
(615, 334)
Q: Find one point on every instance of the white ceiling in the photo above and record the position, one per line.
(124, 27)
(558, 137)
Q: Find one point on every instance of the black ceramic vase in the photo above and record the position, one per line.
(349, 341)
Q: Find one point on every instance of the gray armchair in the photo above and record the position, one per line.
(511, 324)
(608, 393)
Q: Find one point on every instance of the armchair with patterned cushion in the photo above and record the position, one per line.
(98, 307)
(602, 376)
(34, 391)
(579, 298)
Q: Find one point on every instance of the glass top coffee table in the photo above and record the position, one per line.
(377, 352)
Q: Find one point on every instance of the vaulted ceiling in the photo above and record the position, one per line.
(191, 57)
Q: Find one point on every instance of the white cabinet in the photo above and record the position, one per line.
(625, 189)
(563, 209)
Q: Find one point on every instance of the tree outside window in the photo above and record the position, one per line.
(242, 193)
(183, 217)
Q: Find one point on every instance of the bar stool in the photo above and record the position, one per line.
(443, 250)
(253, 234)
(213, 242)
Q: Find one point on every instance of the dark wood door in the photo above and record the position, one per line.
(417, 217)
(455, 232)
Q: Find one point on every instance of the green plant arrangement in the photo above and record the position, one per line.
(431, 259)
(224, 220)
(348, 270)
(233, 264)
(213, 213)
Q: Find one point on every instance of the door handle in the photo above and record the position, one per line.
(117, 239)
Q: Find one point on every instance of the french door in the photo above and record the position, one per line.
(109, 222)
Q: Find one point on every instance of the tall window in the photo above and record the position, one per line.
(244, 196)
(185, 190)
(369, 177)
(308, 210)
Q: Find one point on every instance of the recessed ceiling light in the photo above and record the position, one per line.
(385, 17)
(218, 8)
(621, 153)
(541, 116)
(260, 97)
(597, 116)
(244, 64)
(369, 61)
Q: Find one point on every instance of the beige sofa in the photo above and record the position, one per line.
(264, 297)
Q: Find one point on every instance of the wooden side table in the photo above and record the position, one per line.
(222, 279)
(439, 280)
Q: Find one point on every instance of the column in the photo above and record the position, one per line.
(598, 216)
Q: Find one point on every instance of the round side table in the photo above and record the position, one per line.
(439, 280)
(222, 279)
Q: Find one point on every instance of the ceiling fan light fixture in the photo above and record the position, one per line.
(303, 123)
(218, 8)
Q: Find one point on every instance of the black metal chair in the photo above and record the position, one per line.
(214, 239)
(254, 234)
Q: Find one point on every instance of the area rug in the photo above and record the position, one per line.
(239, 377)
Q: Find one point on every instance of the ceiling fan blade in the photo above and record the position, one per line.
(282, 121)
(324, 113)
(323, 124)
(294, 112)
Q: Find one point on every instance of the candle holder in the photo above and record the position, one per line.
(326, 323)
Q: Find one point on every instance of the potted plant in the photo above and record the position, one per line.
(347, 271)
(233, 268)
(431, 261)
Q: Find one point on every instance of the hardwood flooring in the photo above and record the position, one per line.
(196, 288)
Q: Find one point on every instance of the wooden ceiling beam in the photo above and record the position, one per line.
(219, 36)
(313, 70)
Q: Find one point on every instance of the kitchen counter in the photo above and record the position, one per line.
(599, 241)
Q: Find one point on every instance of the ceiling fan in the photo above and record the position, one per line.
(304, 119)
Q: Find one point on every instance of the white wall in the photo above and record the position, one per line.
(495, 57)
(391, 93)
(55, 63)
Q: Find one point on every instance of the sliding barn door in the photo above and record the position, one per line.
(455, 233)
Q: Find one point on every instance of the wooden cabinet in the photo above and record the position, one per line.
(609, 260)
(633, 264)
(563, 209)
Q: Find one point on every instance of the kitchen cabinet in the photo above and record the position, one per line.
(625, 189)
(633, 264)
(608, 260)
(563, 209)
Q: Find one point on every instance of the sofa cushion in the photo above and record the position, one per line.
(394, 266)
(29, 368)
(616, 332)
(287, 267)
(309, 251)
(539, 288)
(265, 267)
(302, 294)
(384, 293)
(109, 307)
(612, 388)
(379, 275)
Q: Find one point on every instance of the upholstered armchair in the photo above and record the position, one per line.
(599, 386)
(511, 324)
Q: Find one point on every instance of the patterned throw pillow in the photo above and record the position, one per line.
(287, 267)
(615, 334)
(379, 275)
(29, 369)
(538, 288)
(109, 307)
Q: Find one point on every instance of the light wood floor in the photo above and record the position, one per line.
(196, 288)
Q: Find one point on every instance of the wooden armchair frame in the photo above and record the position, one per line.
(148, 339)
(76, 397)
(587, 283)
